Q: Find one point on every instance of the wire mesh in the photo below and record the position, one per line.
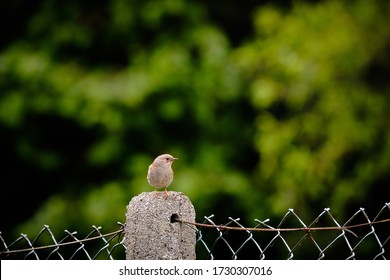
(95, 245)
(358, 238)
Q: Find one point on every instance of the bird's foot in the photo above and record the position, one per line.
(165, 194)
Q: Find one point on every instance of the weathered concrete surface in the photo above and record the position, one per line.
(149, 232)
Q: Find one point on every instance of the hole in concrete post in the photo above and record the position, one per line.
(174, 218)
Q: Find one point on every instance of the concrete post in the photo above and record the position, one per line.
(150, 233)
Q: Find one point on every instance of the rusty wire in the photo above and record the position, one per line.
(366, 239)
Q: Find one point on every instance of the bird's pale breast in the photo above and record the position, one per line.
(160, 176)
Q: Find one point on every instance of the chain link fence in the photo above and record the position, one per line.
(360, 237)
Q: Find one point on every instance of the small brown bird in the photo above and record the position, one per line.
(160, 173)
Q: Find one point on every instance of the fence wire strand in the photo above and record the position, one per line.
(358, 238)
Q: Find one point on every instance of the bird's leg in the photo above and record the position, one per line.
(155, 193)
(165, 193)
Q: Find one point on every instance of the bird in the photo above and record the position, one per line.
(160, 173)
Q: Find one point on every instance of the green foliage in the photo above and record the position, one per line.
(319, 121)
(295, 116)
